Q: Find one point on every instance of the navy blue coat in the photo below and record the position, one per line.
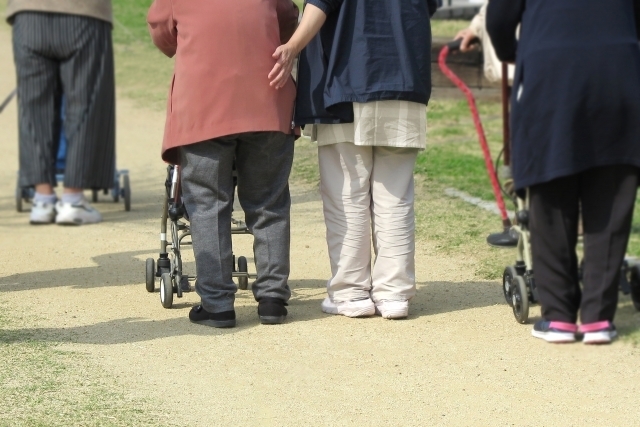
(367, 50)
(576, 92)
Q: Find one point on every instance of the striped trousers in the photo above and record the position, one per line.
(58, 54)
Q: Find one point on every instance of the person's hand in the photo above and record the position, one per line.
(281, 72)
(467, 37)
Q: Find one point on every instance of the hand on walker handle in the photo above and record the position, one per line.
(467, 36)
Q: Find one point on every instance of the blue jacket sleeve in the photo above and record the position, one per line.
(435, 4)
(503, 18)
(327, 6)
(636, 6)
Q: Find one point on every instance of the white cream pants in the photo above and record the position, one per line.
(367, 194)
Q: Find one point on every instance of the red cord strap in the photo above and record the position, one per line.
(442, 61)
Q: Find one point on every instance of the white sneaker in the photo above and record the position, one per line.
(76, 214)
(358, 308)
(389, 309)
(42, 213)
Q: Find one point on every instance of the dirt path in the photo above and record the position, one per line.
(460, 359)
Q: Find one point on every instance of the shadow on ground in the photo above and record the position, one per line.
(433, 298)
(115, 269)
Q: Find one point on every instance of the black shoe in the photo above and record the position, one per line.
(224, 319)
(272, 311)
(184, 284)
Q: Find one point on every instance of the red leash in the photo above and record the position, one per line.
(442, 61)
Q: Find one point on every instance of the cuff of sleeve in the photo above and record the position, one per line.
(322, 5)
(476, 26)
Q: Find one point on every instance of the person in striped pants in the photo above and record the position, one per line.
(64, 47)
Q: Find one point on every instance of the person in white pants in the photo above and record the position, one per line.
(364, 80)
(366, 183)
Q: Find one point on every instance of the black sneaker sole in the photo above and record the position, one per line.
(272, 320)
(216, 323)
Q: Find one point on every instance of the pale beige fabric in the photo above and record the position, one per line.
(367, 195)
(100, 9)
(492, 65)
(380, 123)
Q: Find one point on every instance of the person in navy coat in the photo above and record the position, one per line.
(576, 147)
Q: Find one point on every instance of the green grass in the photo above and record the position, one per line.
(131, 20)
(142, 72)
(450, 168)
(453, 157)
(447, 28)
(43, 385)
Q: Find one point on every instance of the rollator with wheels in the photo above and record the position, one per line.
(168, 268)
(518, 282)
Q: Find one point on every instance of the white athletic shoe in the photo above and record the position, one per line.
(42, 213)
(358, 308)
(599, 332)
(389, 309)
(77, 214)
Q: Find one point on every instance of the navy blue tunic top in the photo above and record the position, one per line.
(367, 50)
(576, 92)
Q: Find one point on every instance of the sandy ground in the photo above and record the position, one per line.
(460, 358)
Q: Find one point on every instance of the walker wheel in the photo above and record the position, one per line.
(126, 193)
(166, 290)
(507, 284)
(178, 289)
(115, 191)
(520, 300)
(150, 274)
(243, 281)
(624, 285)
(184, 284)
(634, 284)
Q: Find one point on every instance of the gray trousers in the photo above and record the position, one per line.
(263, 163)
(58, 54)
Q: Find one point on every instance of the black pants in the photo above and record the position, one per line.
(605, 196)
(59, 54)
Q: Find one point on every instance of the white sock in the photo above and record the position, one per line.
(45, 198)
(73, 198)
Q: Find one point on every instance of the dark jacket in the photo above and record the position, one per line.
(576, 92)
(367, 50)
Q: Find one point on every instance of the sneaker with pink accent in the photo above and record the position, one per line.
(555, 332)
(356, 308)
(598, 332)
(392, 309)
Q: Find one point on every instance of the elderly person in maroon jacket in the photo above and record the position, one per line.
(222, 108)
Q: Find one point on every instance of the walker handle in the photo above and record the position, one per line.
(454, 45)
